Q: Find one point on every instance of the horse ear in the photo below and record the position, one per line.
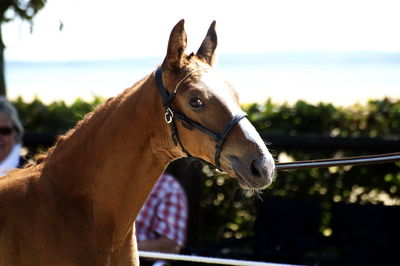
(207, 48)
(176, 45)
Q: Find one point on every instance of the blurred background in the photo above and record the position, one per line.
(319, 79)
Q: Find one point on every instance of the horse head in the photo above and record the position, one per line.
(205, 116)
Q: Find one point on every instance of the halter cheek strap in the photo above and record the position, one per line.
(170, 114)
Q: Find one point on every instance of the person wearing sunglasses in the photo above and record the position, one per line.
(11, 132)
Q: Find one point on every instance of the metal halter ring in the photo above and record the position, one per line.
(169, 115)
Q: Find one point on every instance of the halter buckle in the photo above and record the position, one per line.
(169, 115)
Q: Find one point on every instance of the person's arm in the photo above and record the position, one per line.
(162, 244)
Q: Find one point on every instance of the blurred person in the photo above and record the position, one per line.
(162, 223)
(11, 132)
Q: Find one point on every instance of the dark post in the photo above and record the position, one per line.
(2, 73)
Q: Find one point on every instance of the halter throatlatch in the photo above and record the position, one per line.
(188, 123)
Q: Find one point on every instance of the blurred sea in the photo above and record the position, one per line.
(341, 78)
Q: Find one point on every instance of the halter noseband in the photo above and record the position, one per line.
(170, 114)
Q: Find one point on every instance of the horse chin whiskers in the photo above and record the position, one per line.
(267, 143)
(274, 174)
(250, 193)
(250, 190)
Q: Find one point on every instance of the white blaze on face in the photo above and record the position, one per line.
(224, 93)
(252, 135)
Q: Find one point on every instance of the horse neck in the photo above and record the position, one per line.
(113, 158)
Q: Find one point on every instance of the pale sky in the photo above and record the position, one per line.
(124, 29)
(101, 29)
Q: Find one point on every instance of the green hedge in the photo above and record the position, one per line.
(39, 117)
(376, 118)
(226, 206)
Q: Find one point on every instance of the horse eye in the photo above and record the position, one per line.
(196, 103)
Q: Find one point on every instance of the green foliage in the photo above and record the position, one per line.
(56, 117)
(375, 184)
(376, 118)
(226, 210)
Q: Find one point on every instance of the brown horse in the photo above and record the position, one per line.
(77, 206)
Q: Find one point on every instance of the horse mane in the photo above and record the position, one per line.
(42, 157)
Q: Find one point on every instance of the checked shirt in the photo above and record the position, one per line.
(164, 213)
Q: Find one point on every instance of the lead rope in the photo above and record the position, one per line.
(357, 160)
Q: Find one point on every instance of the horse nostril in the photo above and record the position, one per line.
(255, 169)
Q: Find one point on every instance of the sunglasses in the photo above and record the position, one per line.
(6, 131)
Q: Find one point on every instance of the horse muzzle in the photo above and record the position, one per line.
(255, 173)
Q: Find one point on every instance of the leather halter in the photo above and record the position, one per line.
(171, 113)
